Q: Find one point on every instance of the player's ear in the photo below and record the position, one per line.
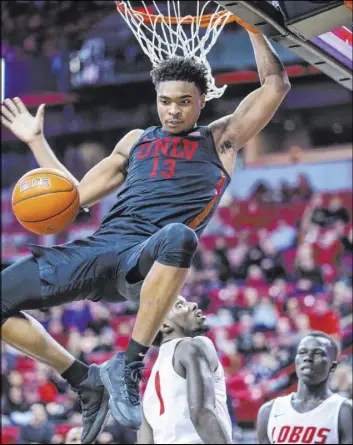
(166, 329)
(333, 367)
(203, 101)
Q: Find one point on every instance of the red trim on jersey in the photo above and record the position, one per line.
(206, 211)
(344, 34)
(157, 382)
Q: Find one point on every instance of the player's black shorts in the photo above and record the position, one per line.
(93, 268)
(111, 264)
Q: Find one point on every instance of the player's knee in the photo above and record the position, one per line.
(178, 245)
(182, 236)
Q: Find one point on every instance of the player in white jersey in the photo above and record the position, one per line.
(185, 399)
(312, 415)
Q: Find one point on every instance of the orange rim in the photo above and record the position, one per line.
(205, 20)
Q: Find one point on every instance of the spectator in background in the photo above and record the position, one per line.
(222, 259)
(286, 192)
(74, 435)
(303, 190)
(74, 346)
(283, 236)
(342, 381)
(265, 255)
(16, 407)
(302, 327)
(324, 318)
(292, 308)
(284, 332)
(101, 317)
(76, 315)
(218, 227)
(222, 319)
(8, 356)
(307, 271)
(237, 257)
(342, 298)
(255, 276)
(262, 192)
(40, 430)
(316, 212)
(244, 340)
(336, 212)
(264, 366)
(259, 343)
(16, 379)
(81, 159)
(272, 263)
(347, 241)
(106, 341)
(265, 315)
(46, 389)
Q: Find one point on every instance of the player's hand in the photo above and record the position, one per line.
(16, 117)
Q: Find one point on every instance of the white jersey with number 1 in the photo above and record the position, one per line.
(165, 402)
(319, 426)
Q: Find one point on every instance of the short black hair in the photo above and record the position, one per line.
(187, 69)
(319, 334)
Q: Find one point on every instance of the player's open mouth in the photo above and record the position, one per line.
(199, 315)
(307, 368)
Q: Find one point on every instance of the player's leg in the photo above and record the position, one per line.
(160, 289)
(164, 263)
(28, 336)
(21, 290)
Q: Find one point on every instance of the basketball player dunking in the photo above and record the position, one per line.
(170, 179)
(313, 414)
(185, 399)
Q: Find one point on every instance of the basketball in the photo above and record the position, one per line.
(44, 201)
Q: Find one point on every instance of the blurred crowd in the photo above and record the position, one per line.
(78, 158)
(32, 28)
(265, 276)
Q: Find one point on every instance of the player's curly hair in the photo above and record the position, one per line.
(181, 68)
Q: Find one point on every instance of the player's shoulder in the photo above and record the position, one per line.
(198, 342)
(196, 347)
(345, 418)
(346, 406)
(262, 421)
(125, 144)
(265, 409)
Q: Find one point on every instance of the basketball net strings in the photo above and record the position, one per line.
(170, 39)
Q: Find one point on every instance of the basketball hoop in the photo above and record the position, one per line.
(163, 36)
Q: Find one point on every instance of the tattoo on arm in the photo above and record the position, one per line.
(226, 146)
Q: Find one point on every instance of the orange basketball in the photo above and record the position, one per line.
(44, 201)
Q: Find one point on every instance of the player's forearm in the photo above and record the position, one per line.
(102, 180)
(46, 158)
(268, 63)
(209, 427)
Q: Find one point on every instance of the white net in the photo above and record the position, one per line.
(161, 37)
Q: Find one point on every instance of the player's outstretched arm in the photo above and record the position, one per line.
(199, 368)
(99, 182)
(345, 422)
(233, 131)
(145, 433)
(262, 422)
(29, 129)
